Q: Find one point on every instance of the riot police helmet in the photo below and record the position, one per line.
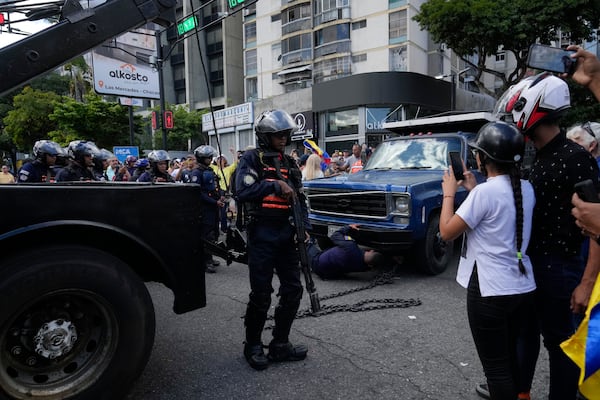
(44, 147)
(157, 156)
(203, 152)
(78, 149)
(500, 141)
(273, 123)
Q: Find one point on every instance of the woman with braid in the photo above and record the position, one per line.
(494, 268)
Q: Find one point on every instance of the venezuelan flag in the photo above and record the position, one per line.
(312, 146)
(584, 347)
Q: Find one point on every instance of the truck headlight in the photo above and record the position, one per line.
(402, 205)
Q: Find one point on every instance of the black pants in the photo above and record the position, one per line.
(495, 323)
(271, 247)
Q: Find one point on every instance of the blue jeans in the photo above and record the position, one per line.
(556, 278)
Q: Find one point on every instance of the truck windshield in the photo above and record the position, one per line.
(414, 153)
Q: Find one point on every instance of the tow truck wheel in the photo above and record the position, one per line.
(436, 253)
(75, 323)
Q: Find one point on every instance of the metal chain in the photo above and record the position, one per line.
(363, 305)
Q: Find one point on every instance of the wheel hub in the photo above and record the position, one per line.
(55, 338)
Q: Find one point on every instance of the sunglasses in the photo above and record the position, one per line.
(588, 128)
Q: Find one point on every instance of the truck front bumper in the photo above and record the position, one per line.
(382, 239)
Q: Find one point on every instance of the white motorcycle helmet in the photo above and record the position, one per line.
(533, 100)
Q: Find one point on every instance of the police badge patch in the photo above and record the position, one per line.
(249, 180)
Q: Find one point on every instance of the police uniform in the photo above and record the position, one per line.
(74, 172)
(271, 242)
(34, 171)
(210, 195)
(152, 175)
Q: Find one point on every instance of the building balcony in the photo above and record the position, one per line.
(332, 15)
(342, 46)
(295, 26)
(296, 56)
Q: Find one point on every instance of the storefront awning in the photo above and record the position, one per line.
(292, 70)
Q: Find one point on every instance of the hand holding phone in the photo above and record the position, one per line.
(586, 190)
(457, 165)
(553, 59)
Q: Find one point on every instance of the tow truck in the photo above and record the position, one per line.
(76, 318)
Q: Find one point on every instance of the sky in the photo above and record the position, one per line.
(28, 26)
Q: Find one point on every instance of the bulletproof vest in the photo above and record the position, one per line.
(276, 166)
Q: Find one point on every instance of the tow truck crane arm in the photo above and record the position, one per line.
(78, 30)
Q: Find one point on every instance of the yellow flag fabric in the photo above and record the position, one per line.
(584, 347)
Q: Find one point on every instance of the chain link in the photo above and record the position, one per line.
(363, 305)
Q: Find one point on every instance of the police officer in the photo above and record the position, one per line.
(159, 165)
(81, 154)
(266, 182)
(38, 170)
(211, 197)
(101, 164)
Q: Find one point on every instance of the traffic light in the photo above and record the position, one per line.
(2, 19)
(169, 119)
(154, 124)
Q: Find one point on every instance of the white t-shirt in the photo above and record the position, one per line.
(489, 211)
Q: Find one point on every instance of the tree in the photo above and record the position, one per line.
(28, 121)
(477, 29)
(105, 123)
(187, 127)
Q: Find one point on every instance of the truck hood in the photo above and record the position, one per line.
(378, 180)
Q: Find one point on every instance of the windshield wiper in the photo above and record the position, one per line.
(422, 167)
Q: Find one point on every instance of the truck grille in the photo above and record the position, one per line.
(371, 204)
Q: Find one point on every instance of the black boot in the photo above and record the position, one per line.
(255, 356)
(286, 351)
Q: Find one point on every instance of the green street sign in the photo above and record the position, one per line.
(235, 3)
(187, 25)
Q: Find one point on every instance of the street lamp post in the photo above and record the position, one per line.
(453, 81)
(159, 66)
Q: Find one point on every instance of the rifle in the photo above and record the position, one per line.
(298, 219)
(315, 304)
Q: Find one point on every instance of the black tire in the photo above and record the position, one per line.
(434, 253)
(75, 323)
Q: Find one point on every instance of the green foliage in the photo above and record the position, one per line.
(187, 125)
(481, 28)
(584, 108)
(105, 123)
(28, 121)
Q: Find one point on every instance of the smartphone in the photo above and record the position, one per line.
(586, 190)
(457, 165)
(553, 59)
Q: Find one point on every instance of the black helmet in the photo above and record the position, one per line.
(104, 155)
(500, 141)
(157, 156)
(274, 122)
(41, 148)
(80, 148)
(204, 151)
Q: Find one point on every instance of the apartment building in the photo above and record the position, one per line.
(340, 67)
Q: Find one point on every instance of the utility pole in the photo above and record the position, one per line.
(160, 119)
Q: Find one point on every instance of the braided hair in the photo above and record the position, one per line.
(513, 170)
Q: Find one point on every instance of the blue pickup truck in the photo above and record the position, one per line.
(396, 198)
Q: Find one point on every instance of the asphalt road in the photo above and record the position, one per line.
(420, 352)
